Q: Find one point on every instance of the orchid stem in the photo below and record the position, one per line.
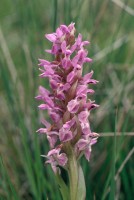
(73, 175)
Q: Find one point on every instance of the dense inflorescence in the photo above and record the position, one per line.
(67, 103)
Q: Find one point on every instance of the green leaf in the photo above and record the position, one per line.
(63, 187)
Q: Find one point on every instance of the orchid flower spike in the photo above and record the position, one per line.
(68, 105)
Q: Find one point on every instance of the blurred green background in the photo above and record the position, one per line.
(109, 26)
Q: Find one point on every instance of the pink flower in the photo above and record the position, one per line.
(52, 136)
(56, 158)
(67, 100)
(79, 43)
(65, 132)
(84, 144)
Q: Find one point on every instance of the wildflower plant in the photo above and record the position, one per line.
(69, 133)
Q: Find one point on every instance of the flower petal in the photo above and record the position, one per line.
(83, 116)
(51, 37)
(73, 106)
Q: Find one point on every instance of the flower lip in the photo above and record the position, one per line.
(73, 106)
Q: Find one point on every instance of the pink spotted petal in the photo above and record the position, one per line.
(54, 116)
(93, 141)
(87, 60)
(66, 63)
(62, 159)
(71, 27)
(85, 43)
(87, 153)
(85, 128)
(49, 51)
(43, 107)
(79, 39)
(65, 135)
(59, 33)
(51, 37)
(83, 116)
(43, 62)
(81, 90)
(82, 144)
(42, 130)
(64, 28)
(71, 76)
(73, 106)
(63, 46)
(87, 77)
(52, 140)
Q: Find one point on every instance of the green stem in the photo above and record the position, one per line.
(73, 175)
